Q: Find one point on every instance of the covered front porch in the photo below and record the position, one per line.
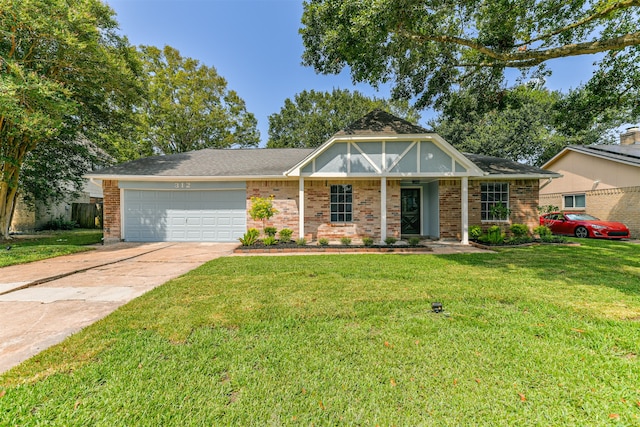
(382, 186)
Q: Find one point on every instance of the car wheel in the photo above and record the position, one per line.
(582, 232)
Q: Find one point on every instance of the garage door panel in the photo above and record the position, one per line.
(184, 215)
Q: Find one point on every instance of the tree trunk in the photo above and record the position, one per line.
(8, 197)
(9, 173)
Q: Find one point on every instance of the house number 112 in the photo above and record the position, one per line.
(182, 185)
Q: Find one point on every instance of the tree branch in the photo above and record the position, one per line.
(529, 58)
(622, 4)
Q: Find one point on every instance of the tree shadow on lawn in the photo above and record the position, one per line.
(614, 264)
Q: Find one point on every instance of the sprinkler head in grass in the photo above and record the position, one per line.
(436, 307)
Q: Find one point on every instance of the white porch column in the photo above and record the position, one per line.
(465, 210)
(383, 208)
(301, 207)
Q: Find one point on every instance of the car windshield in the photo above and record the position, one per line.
(581, 217)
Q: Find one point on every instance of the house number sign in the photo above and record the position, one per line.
(182, 185)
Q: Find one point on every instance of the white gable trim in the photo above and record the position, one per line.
(413, 139)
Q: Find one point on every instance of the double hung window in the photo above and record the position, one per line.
(341, 203)
(493, 194)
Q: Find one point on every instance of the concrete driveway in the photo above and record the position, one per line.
(43, 302)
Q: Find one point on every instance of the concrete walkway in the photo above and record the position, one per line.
(43, 302)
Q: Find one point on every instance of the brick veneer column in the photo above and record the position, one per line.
(111, 211)
(451, 209)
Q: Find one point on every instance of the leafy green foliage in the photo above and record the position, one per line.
(542, 230)
(269, 241)
(547, 209)
(323, 241)
(390, 241)
(189, 106)
(429, 48)
(499, 212)
(311, 118)
(475, 231)
(250, 237)
(301, 241)
(285, 235)
(262, 209)
(65, 70)
(414, 241)
(270, 231)
(346, 241)
(367, 241)
(551, 238)
(54, 172)
(60, 223)
(519, 230)
(494, 236)
(516, 123)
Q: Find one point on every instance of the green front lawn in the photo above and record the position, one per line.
(544, 335)
(21, 250)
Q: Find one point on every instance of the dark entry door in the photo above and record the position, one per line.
(410, 210)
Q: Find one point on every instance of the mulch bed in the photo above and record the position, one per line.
(294, 248)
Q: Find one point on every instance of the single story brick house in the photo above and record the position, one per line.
(381, 176)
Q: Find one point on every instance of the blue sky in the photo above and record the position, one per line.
(255, 46)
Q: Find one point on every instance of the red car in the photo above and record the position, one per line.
(582, 225)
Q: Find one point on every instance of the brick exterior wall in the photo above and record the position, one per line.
(614, 204)
(450, 209)
(523, 202)
(285, 200)
(366, 208)
(523, 199)
(111, 211)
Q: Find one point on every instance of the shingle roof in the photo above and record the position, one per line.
(379, 122)
(214, 163)
(499, 166)
(621, 153)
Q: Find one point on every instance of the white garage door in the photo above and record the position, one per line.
(184, 216)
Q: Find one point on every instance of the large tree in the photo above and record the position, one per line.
(429, 47)
(65, 69)
(313, 117)
(514, 123)
(189, 106)
(55, 171)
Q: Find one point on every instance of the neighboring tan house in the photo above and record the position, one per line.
(601, 180)
(381, 176)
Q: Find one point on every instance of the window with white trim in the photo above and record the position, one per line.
(492, 194)
(341, 203)
(575, 201)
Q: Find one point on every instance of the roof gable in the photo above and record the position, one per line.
(383, 144)
(627, 154)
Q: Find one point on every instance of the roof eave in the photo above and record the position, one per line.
(519, 176)
(183, 177)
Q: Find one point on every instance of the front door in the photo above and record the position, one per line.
(410, 213)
